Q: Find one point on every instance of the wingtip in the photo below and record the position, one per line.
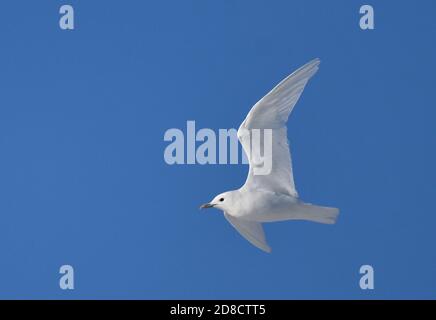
(266, 249)
(309, 68)
(314, 63)
(316, 60)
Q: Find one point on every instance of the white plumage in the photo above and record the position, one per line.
(271, 197)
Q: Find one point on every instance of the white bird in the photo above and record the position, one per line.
(271, 197)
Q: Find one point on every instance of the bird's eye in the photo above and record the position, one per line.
(222, 199)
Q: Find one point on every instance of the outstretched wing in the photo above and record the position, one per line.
(250, 230)
(272, 112)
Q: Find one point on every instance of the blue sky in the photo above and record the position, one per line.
(83, 180)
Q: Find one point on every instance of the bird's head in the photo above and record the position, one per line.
(223, 201)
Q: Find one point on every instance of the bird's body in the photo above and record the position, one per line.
(267, 206)
(272, 196)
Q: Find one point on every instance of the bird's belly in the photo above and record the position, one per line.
(266, 206)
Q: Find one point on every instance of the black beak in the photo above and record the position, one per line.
(206, 206)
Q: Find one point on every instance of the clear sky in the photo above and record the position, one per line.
(83, 180)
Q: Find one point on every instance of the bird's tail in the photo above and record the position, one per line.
(315, 213)
(300, 211)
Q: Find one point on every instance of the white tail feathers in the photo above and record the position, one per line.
(301, 211)
(319, 214)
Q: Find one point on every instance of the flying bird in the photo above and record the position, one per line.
(271, 197)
